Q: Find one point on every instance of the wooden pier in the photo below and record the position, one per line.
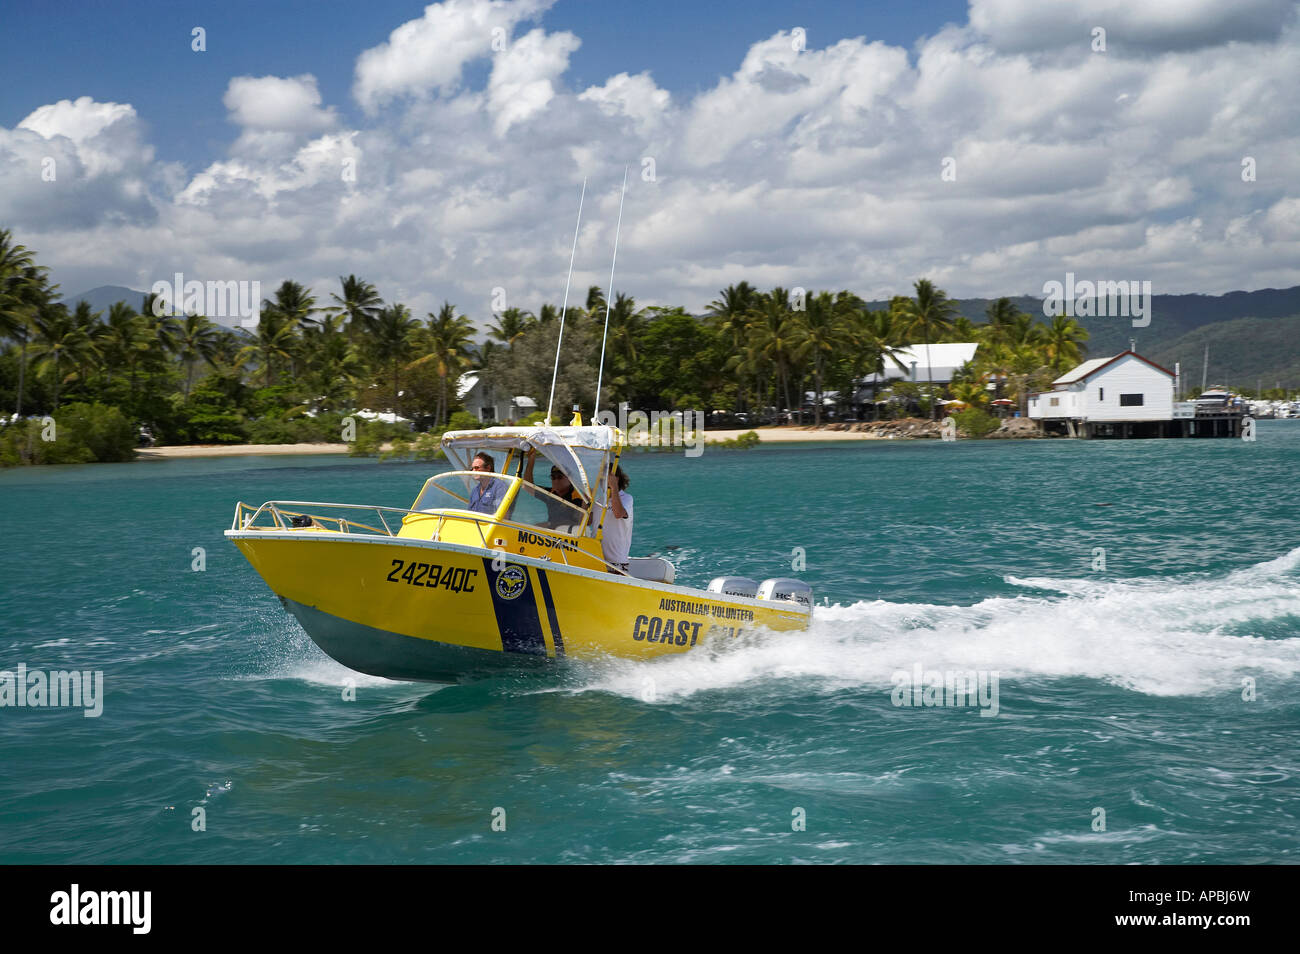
(1225, 422)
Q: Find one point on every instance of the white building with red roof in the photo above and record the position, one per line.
(1124, 388)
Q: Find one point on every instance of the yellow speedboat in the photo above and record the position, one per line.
(442, 591)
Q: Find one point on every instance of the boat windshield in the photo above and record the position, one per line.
(451, 491)
(535, 506)
(467, 490)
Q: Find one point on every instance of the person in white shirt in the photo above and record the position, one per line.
(616, 534)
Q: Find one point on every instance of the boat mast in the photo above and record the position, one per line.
(601, 374)
(565, 307)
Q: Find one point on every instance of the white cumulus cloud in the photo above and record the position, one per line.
(431, 53)
(635, 97)
(523, 76)
(285, 104)
(1152, 25)
(821, 167)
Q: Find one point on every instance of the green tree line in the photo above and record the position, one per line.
(314, 358)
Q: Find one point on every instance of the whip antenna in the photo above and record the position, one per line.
(565, 307)
(601, 374)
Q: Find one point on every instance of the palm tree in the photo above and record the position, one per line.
(17, 306)
(164, 332)
(931, 314)
(730, 315)
(13, 258)
(446, 343)
(1001, 315)
(334, 363)
(295, 304)
(1024, 364)
(196, 339)
(1005, 323)
(59, 342)
(595, 302)
(227, 358)
(1062, 340)
(971, 391)
(275, 342)
(1015, 348)
(963, 329)
(122, 341)
(391, 340)
(626, 322)
(88, 323)
(876, 342)
(24, 289)
(360, 304)
(510, 327)
(749, 363)
(731, 306)
(483, 357)
(825, 334)
(777, 336)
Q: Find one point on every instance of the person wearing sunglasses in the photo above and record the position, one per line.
(560, 494)
(487, 496)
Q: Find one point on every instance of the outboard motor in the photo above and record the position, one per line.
(734, 586)
(783, 588)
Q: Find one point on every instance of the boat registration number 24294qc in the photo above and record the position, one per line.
(441, 591)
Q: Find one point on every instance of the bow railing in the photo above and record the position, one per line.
(281, 515)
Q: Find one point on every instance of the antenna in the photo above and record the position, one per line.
(601, 374)
(565, 307)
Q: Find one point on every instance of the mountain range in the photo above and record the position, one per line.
(1253, 336)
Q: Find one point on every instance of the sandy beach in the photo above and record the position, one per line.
(786, 435)
(235, 450)
(779, 435)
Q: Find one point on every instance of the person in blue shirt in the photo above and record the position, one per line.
(487, 496)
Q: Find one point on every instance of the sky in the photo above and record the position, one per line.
(439, 150)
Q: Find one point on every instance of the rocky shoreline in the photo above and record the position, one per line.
(914, 428)
(908, 428)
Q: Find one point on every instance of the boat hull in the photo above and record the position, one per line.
(395, 656)
(410, 609)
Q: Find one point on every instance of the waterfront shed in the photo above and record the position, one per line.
(1123, 388)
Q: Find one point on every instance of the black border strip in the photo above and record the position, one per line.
(550, 612)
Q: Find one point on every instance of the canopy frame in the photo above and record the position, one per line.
(559, 445)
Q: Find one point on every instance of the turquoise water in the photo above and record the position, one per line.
(1119, 689)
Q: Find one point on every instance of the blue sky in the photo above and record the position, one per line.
(139, 52)
(991, 146)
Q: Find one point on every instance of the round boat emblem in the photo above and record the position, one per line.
(511, 582)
